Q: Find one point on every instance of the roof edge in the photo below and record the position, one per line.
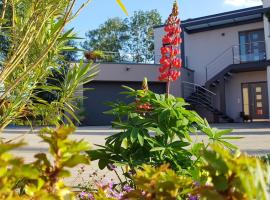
(234, 12)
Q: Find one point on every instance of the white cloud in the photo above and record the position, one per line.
(243, 3)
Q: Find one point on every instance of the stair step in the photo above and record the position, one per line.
(197, 98)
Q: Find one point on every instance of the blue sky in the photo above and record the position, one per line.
(99, 11)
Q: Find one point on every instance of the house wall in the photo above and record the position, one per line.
(158, 34)
(133, 72)
(234, 93)
(203, 47)
(266, 3)
(128, 72)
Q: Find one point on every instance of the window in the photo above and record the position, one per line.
(252, 46)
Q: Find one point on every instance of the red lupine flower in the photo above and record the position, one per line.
(178, 30)
(169, 71)
(177, 62)
(177, 41)
(176, 52)
(162, 69)
(165, 50)
(141, 107)
(167, 39)
(165, 61)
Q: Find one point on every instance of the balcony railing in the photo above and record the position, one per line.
(116, 57)
(249, 52)
(236, 54)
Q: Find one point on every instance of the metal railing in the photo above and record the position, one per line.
(249, 52)
(116, 57)
(236, 54)
(197, 93)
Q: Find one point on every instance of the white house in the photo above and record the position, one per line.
(229, 54)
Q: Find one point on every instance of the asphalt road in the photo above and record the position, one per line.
(256, 140)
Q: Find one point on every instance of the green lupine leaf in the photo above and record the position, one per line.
(124, 143)
(141, 138)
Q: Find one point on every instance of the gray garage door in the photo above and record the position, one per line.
(103, 92)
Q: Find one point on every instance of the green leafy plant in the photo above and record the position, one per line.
(33, 47)
(233, 176)
(160, 183)
(95, 55)
(155, 129)
(36, 42)
(42, 179)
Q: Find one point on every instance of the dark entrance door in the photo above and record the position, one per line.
(108, 91)
(255, 100)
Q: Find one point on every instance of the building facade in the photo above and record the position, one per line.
(226, 72)
(229, 54)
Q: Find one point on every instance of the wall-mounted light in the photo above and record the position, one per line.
(223, 34)
(128, 68)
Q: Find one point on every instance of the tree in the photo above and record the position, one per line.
(71, 54)
(110, 36)
(134, 36)
(141, 40)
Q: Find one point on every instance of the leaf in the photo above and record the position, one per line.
(220, 182)
(223, 132)
(197, 148)
(122, 6)
(102, 163)
(179, 144)
(133, 135)
(96, 154)
(77, 147)
(216, 162)
(64, 174)
(76, 160)
(28, 171)
(228, 145)
(10, 146)
(141, 139)
(124, 143)
(63, 132)
(157, 149)
(232, 138)
(155, 130)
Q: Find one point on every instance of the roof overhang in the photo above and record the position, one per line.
(223, 20)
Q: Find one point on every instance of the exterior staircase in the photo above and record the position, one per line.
(219, 71)
(201, 99)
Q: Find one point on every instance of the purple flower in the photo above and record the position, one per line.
(86, 196)
(111, 185)
(191, 197)
(127, 188)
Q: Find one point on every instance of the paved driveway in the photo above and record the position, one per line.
(256, 140)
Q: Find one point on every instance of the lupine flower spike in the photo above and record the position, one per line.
(143, 107)
(170, 50)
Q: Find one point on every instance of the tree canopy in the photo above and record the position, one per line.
(109, 36)
(133, 36)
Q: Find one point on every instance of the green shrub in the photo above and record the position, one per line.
(160, 183)
(233, 176)
(42, 179)
(155, 129)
